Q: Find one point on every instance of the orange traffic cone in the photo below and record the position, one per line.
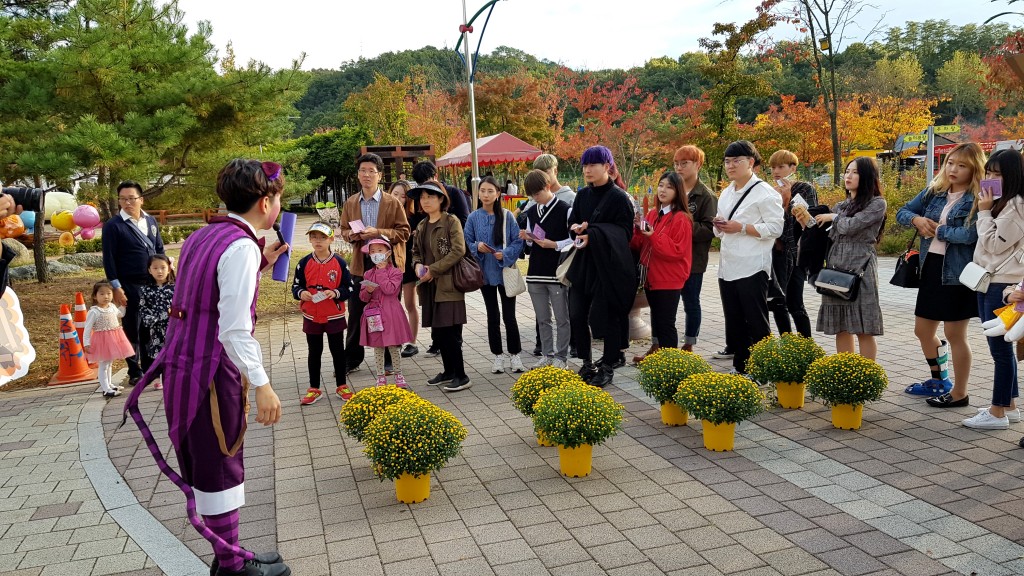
(80, 316)
(73, 367)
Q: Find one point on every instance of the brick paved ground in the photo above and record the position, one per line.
(912, 492)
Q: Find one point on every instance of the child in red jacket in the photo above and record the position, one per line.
(322, 284)
(664, 240)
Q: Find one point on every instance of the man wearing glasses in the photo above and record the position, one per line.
(375, 215)
(129, 239)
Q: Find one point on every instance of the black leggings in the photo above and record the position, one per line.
(449, 340)
(664, 305)
(491, 296)
(315, 342)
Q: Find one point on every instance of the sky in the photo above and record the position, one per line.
(591, 34)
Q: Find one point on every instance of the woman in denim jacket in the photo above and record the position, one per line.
(944, 215)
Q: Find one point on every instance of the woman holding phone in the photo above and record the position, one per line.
(999, 250)
(944, 214)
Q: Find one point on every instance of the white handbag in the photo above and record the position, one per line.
(562, 271)
(513, 280)
(977, 278)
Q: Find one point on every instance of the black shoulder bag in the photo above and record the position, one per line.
(908, 267)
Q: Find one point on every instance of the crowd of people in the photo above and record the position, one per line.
(589, 254)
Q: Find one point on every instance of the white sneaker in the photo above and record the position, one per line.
(499, 364)
(1012, 416)
(541, 362)
(559, 363)
(517, 364)
(984, 420)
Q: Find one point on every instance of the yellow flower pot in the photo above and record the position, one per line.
(576, 462)
(542, 439)
(847, 416)
(673, 415)
(411, 489)
(791, 394)
(719, 437)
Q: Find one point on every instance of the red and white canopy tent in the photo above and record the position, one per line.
(497, 149)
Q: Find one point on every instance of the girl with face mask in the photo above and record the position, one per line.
(385, 324)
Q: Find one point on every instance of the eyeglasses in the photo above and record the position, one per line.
(683, 163)
(734, 161)
(368, 172)
(129, 199)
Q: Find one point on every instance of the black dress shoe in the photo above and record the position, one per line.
(264, 558)
(588, 372)
(257, 568)
(440, 379)
(617, 362)
(572, 351)
(537, 351)
(409, 351)
(604, 377)
(946, 401)
(134, 380)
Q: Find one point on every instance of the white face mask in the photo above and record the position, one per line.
(378, 257)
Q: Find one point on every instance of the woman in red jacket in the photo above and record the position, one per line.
(664, 240)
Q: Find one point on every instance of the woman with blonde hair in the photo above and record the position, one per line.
(945, 214)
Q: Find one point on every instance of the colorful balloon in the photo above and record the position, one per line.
(66, 240)
(86, 216)
(88, 233)
(12, 227)
(29, 219)
(63, 221)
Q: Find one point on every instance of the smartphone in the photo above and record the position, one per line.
(994, 185)
(645, 225)
(781, 183)
(718, 221)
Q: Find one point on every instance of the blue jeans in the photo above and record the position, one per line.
(1004, 383)
(691, 306)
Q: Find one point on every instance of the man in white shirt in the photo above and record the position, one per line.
(749, 220)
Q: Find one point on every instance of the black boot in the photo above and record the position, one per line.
(604, 376)
(264, 558)
(588, 372)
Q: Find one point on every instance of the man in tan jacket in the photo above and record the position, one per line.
(376, 215)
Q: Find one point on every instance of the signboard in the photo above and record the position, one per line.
(915, 138)
(947, 129)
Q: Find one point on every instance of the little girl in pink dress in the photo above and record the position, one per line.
(384, 323)
(105, 341)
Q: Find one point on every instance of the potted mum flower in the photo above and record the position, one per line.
(533, 383)
(367, 404)
(576, 418)
(662, 372)
(720, 401)
(845, 381)
(783, 361)
(408, 441)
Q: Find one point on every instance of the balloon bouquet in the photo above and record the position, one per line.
(86, 218)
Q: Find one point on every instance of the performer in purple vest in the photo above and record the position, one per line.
(211, 360)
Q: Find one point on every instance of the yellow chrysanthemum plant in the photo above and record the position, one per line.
(720, 398)
(367, 404)
(533, 383)
(783, 358)
(573, 416)
(412, 437)
(662, 372)
(846, 378)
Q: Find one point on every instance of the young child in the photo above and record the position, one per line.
(155, 307)
(105, 341)
(211, 359)
(384, 322)
(323, 284)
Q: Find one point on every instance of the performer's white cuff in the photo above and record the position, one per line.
(213, 503)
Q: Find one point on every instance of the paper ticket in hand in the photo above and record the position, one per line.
(357, 226)
(537, 233)
(320, 297)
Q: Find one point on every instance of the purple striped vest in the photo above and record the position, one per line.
(193, 356)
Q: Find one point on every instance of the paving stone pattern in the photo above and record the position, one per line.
(912, 492)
